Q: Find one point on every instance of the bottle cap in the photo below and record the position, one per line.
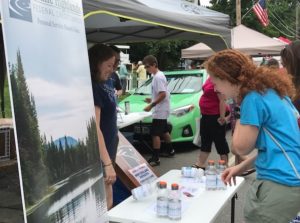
(174, 186)
(222, 162)
(212, 162)
(162, 184)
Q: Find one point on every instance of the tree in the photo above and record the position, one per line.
(167, 52)
(281, 16)
(29, 140)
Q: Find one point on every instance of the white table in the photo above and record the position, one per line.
(203, 208)
(131, 118)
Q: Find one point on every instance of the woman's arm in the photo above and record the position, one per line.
(222, 108)
(107, 162)
(244, 138)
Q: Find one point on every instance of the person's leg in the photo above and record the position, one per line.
(155, 132)
(124, 85)
(156, 142)
(206, 141)
(220, 141)
(202, 159)
(268, 201)
(169, 150)
(154, 160)
(109, 196)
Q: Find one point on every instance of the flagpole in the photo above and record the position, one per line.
(238, 12)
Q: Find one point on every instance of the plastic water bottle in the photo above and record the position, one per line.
(174, 203)
(211, 176)
(220, 170)
(142, 192)
(297, 219)
(162, 200)
(191, 172)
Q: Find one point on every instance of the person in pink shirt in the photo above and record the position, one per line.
(212, 124)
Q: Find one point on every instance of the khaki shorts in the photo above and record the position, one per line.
(269, 202)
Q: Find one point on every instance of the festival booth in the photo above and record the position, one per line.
(243, 39)
(145, 20)
(61, 174)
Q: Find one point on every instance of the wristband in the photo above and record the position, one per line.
(107, 164)
(153, 104)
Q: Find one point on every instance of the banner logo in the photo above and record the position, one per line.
(20, 9)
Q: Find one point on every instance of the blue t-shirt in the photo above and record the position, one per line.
(104, 98)
(276, 115)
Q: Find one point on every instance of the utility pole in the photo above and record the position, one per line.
(238, 12)
(297, 29)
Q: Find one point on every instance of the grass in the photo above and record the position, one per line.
(7, 105)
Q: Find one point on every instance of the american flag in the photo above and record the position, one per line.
(261, 12)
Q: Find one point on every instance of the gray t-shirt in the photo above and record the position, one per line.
(159, 84)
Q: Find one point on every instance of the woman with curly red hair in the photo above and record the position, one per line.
(267, 122)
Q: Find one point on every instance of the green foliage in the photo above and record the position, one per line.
(167, 52)
(7, 105)
(281, 14)
(65, 160)
(30, 147)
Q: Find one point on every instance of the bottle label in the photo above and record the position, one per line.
(174, 209)
(188, 171)
(162, 206)
(211, 182)
(220, 183)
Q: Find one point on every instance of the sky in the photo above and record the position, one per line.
(205, 2)
(55, 63)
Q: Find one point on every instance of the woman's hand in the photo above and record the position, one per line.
(221, 120)
(228, 176)
(110, 174)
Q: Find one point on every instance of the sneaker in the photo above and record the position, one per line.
(197, 167)
(168, 154)
(172, 152)
(154, 161)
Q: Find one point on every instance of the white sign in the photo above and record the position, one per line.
(143, 174)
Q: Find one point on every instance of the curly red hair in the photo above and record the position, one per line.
(239, 69)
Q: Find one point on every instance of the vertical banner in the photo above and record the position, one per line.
(45, 44)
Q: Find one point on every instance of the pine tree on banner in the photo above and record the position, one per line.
(260, 9)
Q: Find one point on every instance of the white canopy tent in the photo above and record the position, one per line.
(243, 39)
(199, 51)
(125, 21)
(254, 43)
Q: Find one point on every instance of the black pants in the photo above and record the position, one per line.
(211, 131)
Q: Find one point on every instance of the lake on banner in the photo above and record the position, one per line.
(76, 199)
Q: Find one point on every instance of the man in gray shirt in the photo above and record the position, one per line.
(160, 104)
